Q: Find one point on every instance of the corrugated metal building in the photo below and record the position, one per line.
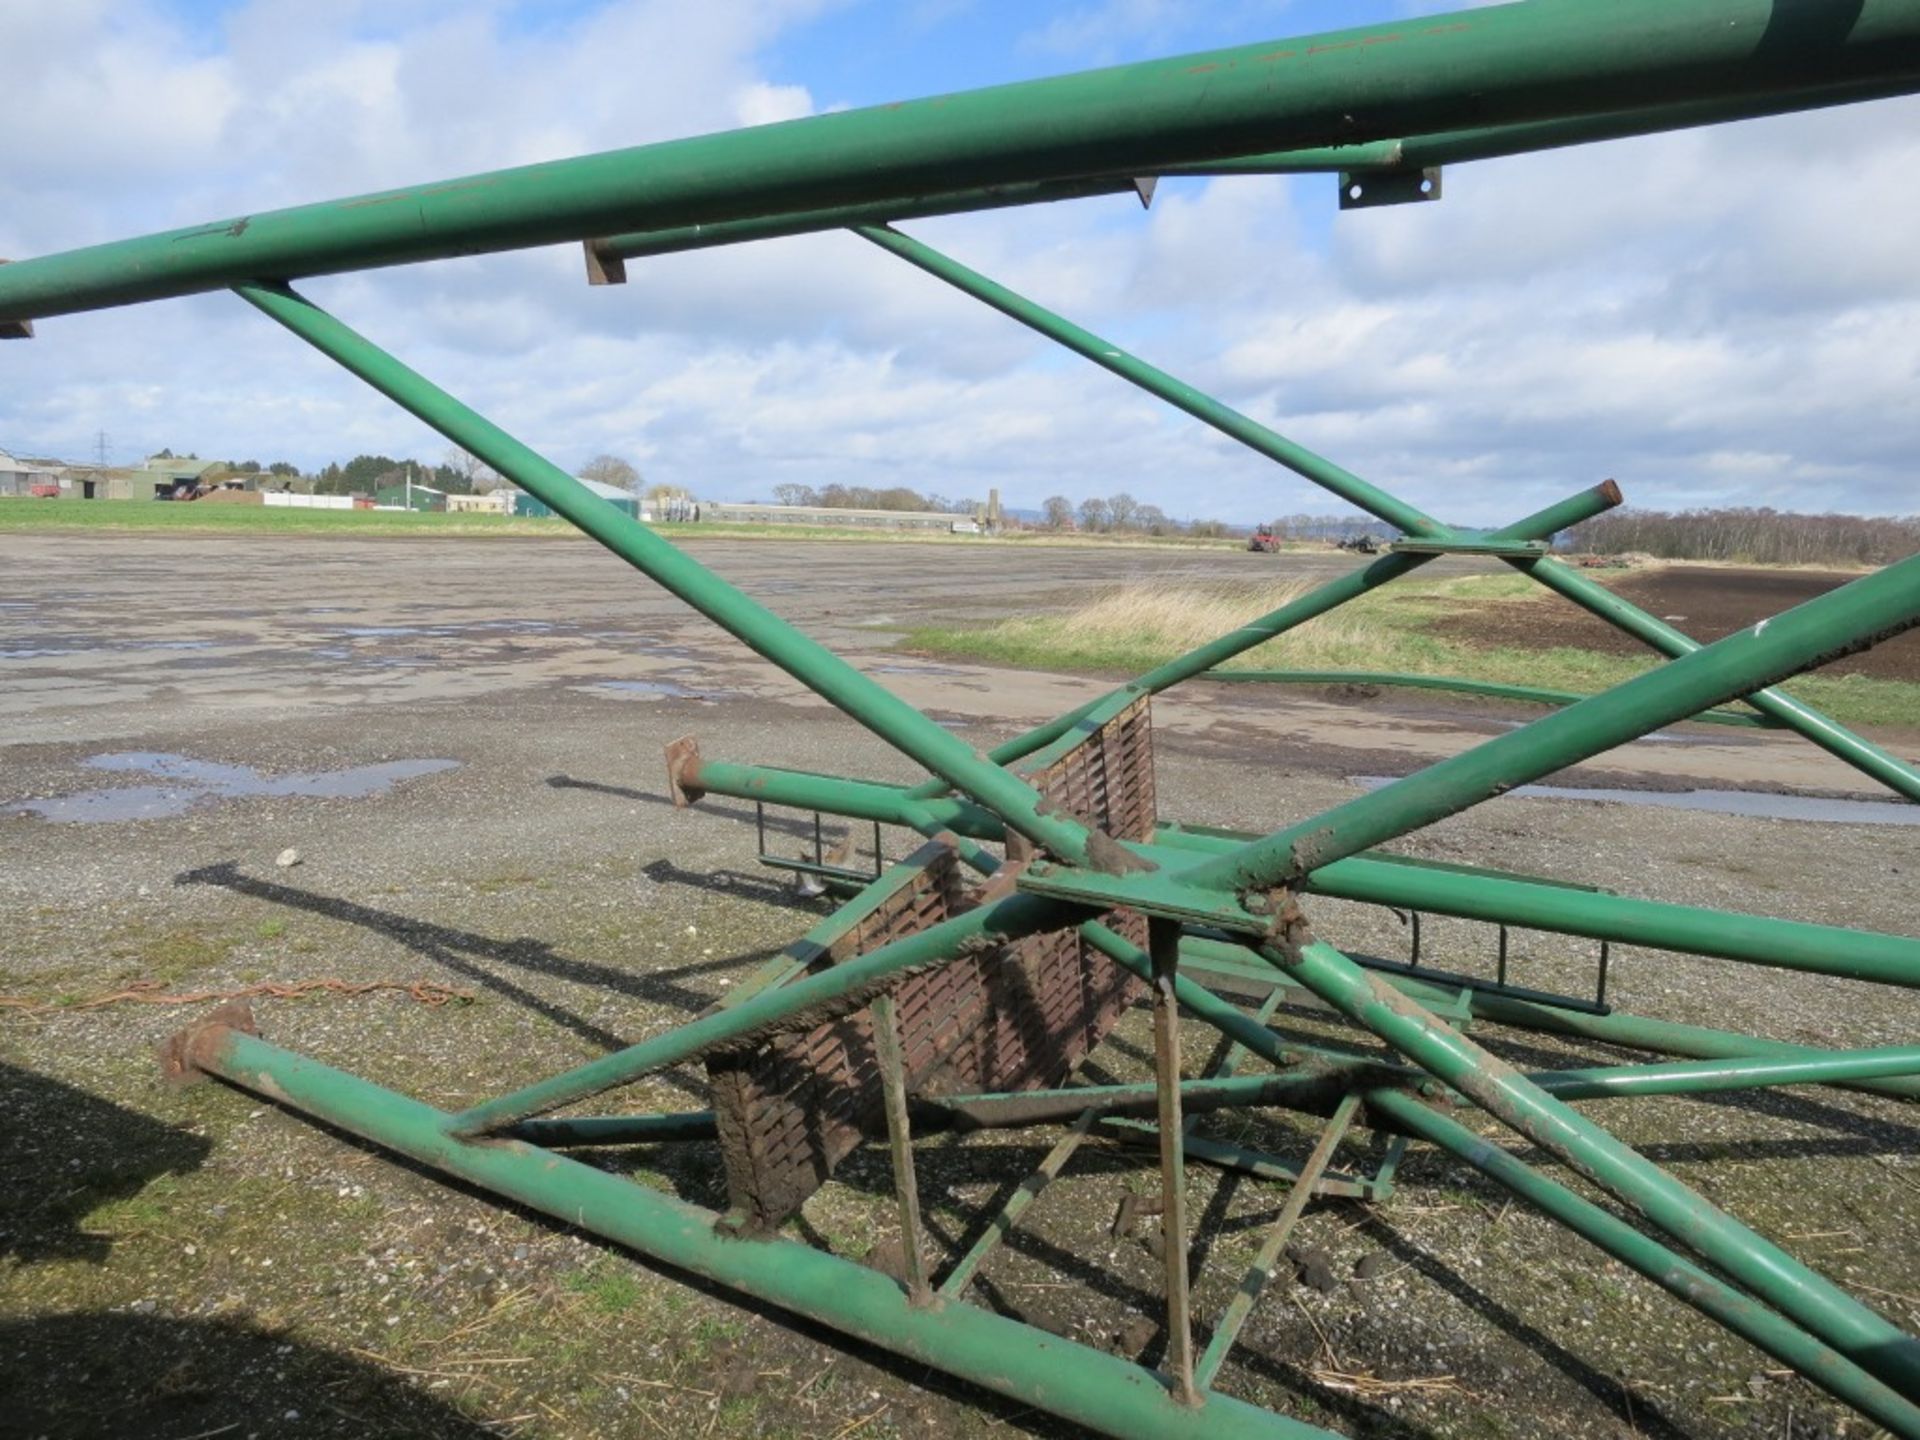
(525, 505)
(21, 476)
(825, 515)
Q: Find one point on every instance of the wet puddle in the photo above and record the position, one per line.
(652, 689)
(192, 784)
(1720, 802)
(915, 670)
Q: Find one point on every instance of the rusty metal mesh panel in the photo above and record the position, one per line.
(1016, 1017)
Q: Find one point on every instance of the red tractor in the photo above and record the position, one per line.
(1263, 541)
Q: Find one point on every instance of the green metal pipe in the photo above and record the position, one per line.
(1870, 1341)
(637, 244)
(1155, 381)
(1340, 481)
(1678, 1276)
(1460, 685)
(1319, 1076)
(1227, 1330)
(1689, 929)
(1692, 1077)
(1313, 1087)
(1257, 1163)
(1380, 156)
(616, 1129)
(1079, 1384)
(1477, 68)
(1455, 147)
(809, 662)
(1464, 892)
(1850, 618)
(1007, 919)
(1639, 1032)
(852, 799)
(1582, 505)
(1830, 736)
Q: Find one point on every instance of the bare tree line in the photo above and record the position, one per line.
(1750, 536)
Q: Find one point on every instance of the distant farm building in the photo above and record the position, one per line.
(29, 477)
(937, 520)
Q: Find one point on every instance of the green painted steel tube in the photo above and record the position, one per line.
(1693, 930)
(1850, 618)
(1085, 1386)
(1465, 892)
(1155, 381)
(1712, 1297)
(1830, 736)
(808, 661)
(1007, 919)
(1376, 156)
(1693, 1077)
(1320, 1076)
(1460, 685)
(854, 799)
(1477, 68)
(1640, 1032)
(1581, 505)
(1455, 147)
(637, 244)
(1866, 1338)
(616, 1129)
(1340, 481)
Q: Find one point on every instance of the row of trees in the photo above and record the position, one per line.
(1750, 536)
(864, 497)
(1121, 514)
(1115, 514)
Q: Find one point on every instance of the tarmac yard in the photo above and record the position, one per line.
(462, 741)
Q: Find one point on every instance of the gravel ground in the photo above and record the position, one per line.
(194, 1262)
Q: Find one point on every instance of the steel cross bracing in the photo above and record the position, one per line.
(1047, 856)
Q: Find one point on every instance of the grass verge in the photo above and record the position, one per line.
(1133, 628)
(143, 516)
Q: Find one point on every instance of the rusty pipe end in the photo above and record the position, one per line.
(683, 772)
(184, 1055)
(1609, 490)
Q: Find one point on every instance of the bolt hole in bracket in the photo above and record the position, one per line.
(1364, 189)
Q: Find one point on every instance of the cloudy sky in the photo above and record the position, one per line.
(1721, 317)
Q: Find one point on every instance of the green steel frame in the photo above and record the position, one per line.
(1382, 108)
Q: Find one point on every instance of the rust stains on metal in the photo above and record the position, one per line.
(185, 1055)
(683, 772)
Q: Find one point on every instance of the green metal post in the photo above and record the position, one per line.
(1869, 609)
(815, 666)
(1163, 950)
(1678, 1276)
(1477, 68)
(1072, 1381)
(1880, 1348)
(1261, 1270)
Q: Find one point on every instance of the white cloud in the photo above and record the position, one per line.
(1726, 316)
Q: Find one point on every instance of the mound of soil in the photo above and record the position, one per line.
(1706, 602)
